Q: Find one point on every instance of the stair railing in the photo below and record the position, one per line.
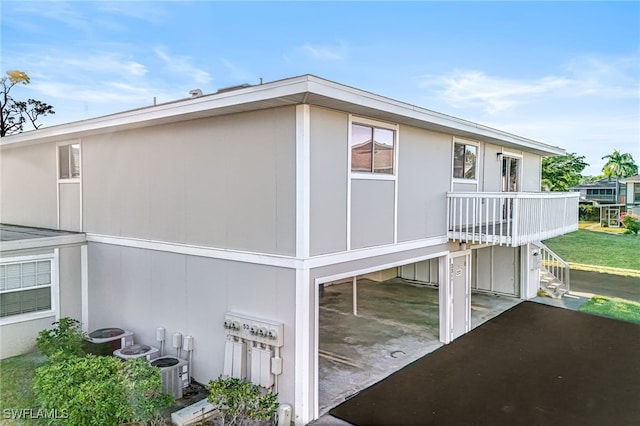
(554, 265)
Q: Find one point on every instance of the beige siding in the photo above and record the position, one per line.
(424, 170)
(224, 182)
(69, 206)
(531, 169)
(28, 186)
(20, 337)
(69, 282)
(492, 170)
(496, 269)
(329, 179)
(372, 211)
(141, 290)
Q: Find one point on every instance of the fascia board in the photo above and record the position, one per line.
(37, 243)
(431, 119)
(181, 110)
(252, 97)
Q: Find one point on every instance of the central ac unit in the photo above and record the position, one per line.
(106, 340)
(174, 372)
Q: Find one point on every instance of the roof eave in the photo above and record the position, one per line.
(291, 91)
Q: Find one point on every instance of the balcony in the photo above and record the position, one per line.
(510, 218)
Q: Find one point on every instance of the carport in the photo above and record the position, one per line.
(374, 326)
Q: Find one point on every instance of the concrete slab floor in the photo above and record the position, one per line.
(397, 322)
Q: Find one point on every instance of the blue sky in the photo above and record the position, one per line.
(563, 73)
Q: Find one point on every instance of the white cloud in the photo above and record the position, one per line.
(62, 11)
(151, 12)
(102, 92)
(324, 53)
(182, 67)
(463, 89)
(589, 76)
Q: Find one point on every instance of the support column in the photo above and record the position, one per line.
(84, 286)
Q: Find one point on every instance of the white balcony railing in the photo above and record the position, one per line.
(510, 218)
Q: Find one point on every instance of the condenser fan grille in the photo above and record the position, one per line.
(105, 333)
(135, 349)
(164, 362)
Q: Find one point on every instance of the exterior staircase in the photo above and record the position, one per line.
(554, 273)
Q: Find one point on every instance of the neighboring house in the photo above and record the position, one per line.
(633, 193)
(613, 198)
(248, 200)
(603, 191)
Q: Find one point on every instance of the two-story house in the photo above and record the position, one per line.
(246, 201)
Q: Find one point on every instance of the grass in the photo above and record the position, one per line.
(619, 309)
(595, 226)
(604, 249)
(16, 374)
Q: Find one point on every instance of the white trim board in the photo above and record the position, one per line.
(264, 258)
(303, 180)
(54, 288)
(34, 243)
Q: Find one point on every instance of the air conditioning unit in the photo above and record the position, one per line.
(175, 374)
(106, 340)
(137, 351)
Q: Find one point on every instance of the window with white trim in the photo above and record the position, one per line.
(372, 149)
(26, 287)
(69, 161)
(465, 158)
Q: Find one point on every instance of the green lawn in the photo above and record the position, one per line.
(598, 248)
(624, 310)
(16, 374)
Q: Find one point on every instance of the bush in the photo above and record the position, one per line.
(631, 222)
(67, 338)
(588, 212)
(99, 390)
(239, 401)
(143, 385)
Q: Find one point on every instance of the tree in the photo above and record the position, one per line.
(619, 165)
(562, 172)
(16, 113)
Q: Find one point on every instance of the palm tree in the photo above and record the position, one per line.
(619, 166)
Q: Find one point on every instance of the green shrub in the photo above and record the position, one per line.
(88, 389)
(143, 385)
(239, 401)
(66, 337)
(630, 222)
(588, 212)
(99, 390)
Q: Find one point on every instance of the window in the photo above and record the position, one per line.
(464, 161)
(69, 161)
(372, 149)
(25, 287)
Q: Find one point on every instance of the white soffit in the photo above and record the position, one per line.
(291, 91)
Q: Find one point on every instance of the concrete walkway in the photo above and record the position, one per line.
(586, 284)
